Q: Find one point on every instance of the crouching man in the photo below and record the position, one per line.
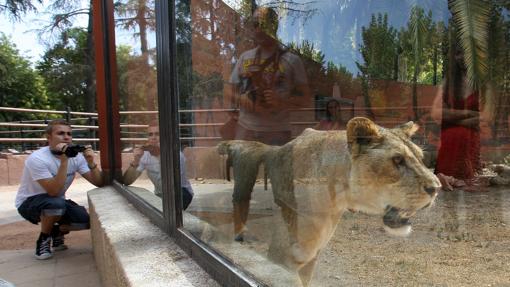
(47, 175)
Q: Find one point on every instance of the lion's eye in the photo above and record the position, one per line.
(398, 160)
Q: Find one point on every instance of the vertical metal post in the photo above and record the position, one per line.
(68, 114)
(107, 90)
(23, 147)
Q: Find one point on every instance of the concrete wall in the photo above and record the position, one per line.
(130, 251)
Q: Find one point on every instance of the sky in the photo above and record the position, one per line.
(24, 32)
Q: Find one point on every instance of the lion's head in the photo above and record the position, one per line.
(388, 176)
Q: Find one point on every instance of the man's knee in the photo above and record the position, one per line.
(53, 206)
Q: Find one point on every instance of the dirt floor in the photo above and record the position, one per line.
(463, 240)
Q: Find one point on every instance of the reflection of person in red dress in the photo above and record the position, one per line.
(457, 108)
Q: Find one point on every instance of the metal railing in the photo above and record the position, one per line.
(27, 131)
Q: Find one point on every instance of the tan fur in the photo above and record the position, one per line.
(366, 168)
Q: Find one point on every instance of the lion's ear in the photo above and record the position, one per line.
(360, 133)
(409, 128)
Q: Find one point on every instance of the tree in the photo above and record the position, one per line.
(378, 50)
(16, 8)
(20, 85)
(64, 13)
(64, 68)
(419, 30)
(139, 16)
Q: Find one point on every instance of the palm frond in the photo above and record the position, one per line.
(471, 18)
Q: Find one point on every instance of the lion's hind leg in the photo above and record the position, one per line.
(245, 158)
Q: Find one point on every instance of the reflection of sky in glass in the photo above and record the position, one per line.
(335, 27)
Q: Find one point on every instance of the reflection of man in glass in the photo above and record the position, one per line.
(267, 82)
(147, 158)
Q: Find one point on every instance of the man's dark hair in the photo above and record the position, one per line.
(57, 122)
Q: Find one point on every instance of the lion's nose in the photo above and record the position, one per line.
(431, 190)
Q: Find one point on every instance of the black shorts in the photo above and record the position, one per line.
(42, 204)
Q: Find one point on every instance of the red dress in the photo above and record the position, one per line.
(459, 154)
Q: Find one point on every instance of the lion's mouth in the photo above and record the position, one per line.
(393, 219)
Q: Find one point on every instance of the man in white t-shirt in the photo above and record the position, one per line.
(148, 159)
(47, 175)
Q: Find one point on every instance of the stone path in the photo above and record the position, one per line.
(73, 267)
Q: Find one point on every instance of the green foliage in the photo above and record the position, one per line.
(472, 18)
(20, 85)
(307, 50)
(64, 69)
(419, 48)
(378, 48)
(312, 58)
(339, 74)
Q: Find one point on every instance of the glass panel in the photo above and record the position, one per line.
(334, 206)
(136, 68)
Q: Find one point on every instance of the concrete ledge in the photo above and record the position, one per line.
(130, 251)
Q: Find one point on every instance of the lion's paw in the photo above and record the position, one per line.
(401, 231)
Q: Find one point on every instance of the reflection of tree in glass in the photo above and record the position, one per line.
(378, 51)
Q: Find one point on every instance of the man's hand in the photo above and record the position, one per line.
(88, 153)
(61, 147)
(270, 98)
(138, 153)
(94, 176)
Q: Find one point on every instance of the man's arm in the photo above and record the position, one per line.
(132, 173)
(94, 176)
(54, 185)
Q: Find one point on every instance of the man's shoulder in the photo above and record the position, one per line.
(39, 154)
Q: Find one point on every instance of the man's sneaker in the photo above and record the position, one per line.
(43, 249)
(58, 238)
(58, 243)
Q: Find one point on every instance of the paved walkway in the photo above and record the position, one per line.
(73, 267)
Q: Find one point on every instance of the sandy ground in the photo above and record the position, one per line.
(17, 234)
(463, 240)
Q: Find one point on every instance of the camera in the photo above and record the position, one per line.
(73, 150)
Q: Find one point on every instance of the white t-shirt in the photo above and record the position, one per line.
(42, 164)
(151, 164)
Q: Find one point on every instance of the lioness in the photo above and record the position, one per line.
(366, 168)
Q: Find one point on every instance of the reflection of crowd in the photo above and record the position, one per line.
(336, 116)
(147, 158)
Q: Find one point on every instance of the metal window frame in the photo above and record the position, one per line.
(219, 267)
